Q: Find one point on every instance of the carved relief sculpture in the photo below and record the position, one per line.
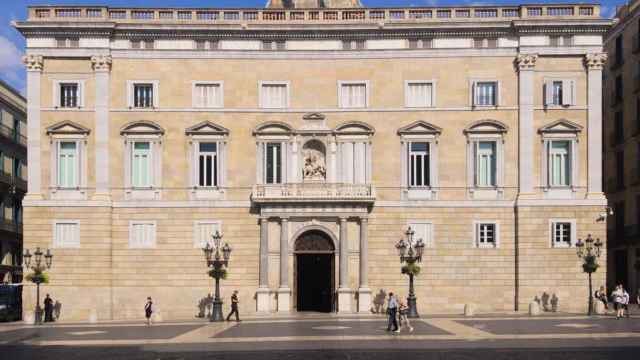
(314, 168)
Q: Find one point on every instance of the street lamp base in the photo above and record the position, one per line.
(216, 313)
(413, 307)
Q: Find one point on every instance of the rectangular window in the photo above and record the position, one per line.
(204, 231)
(422, 230)
(141, 165)
(274, 96)
(68, 164)
(420, 43)
(353, 95)
(273, 163)
(207, 164)
(419, 175)
(419, 94)
(69, 95)
(559, 163)
(66, 234)
(208, 95)
(561, 232)
(486, 234)
(485, 163)
(556, 92)
(486, 93)
(142, 234)
(143, 95)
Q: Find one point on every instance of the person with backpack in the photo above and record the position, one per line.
(617, 297)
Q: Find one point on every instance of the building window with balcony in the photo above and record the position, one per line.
(274, 94)
(274, 151)
(142, 94)
(419, 163)
(207, 164)
(353, 94)
(486, 234)
(68, 93)
(68, 160)
(208, 94)
(559, 92)
(66, 234)
(559, 173)
(272, 163)
(142, 234)
(419, 93)
(143, 160)
(208, 143)
(485, 159)
(562, 232)
(485, 93)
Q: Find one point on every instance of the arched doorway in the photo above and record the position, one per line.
(314, 264)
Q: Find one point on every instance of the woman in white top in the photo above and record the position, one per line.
(617, 296)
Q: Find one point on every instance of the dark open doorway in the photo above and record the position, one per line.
(314, 264)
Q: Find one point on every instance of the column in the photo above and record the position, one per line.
(364, 293)
(594, 64)
(262, 294)
(526, 64)
(34, 64)
(284, 292)
(102, 68)
(344, 293)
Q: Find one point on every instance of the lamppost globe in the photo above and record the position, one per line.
(589, 251)
(38, 277)
(226, 252)
(48, 258)
(410, 253)
(401, 246)
(27, 258)
(218, 270)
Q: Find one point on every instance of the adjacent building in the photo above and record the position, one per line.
(622, 146)
(13, 183)
(312, 135)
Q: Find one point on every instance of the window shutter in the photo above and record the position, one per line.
(548, 93)
(567, 92)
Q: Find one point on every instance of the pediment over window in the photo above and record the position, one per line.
(354, 128)
(67, 128)
(142, 127)
(420, 128)
(561, 126)
(207, 128)
(273, 128)
(486, 126)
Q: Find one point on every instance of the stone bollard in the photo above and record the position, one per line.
(534, 308)
(93, 316)
(469, 309)
(599, 308)
(29, 317)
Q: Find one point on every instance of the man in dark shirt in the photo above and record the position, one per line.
(234, 306)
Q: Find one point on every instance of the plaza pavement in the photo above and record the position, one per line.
(310, 336)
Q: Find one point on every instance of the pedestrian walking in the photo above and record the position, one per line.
(617, 296)
(601, 294)
(392, 310)
(48, 309)
(625, 302)
(148, 310)
(403, 312)
(234, 306)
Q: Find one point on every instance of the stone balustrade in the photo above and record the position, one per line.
(313, 191)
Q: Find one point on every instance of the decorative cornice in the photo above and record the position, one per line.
(526, 61)
(101, 62)
(33, 62)
(595, 61)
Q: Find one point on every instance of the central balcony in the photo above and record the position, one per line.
(315, 192)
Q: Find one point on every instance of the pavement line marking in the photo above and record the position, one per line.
(456, 328)
(202, 333)
(80, 333)
(278, 321)
(329, 338)
(98, 325)
(577, 326)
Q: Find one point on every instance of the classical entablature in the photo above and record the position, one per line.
(67, 128)
(561, 126)
(141, 127)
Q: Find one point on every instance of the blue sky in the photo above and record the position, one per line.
(12, 43)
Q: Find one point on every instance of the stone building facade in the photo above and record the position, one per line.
(13, 183)
(312, 139)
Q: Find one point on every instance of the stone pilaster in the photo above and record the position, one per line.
(594, 64)
(102, 67)
(526, 64)
(344, 293)
(262, 294)
(284, 291)
(34, 65)
(364, 293)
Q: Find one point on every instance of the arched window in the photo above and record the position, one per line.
(559, 173)
(419, 160)
(68, 141)
(353, 140)
(485, 159)
(143, 160)
(207, 164)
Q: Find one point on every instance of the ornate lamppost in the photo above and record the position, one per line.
(218, 270)
(589, 251)
(38, 277)
(410, 253)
